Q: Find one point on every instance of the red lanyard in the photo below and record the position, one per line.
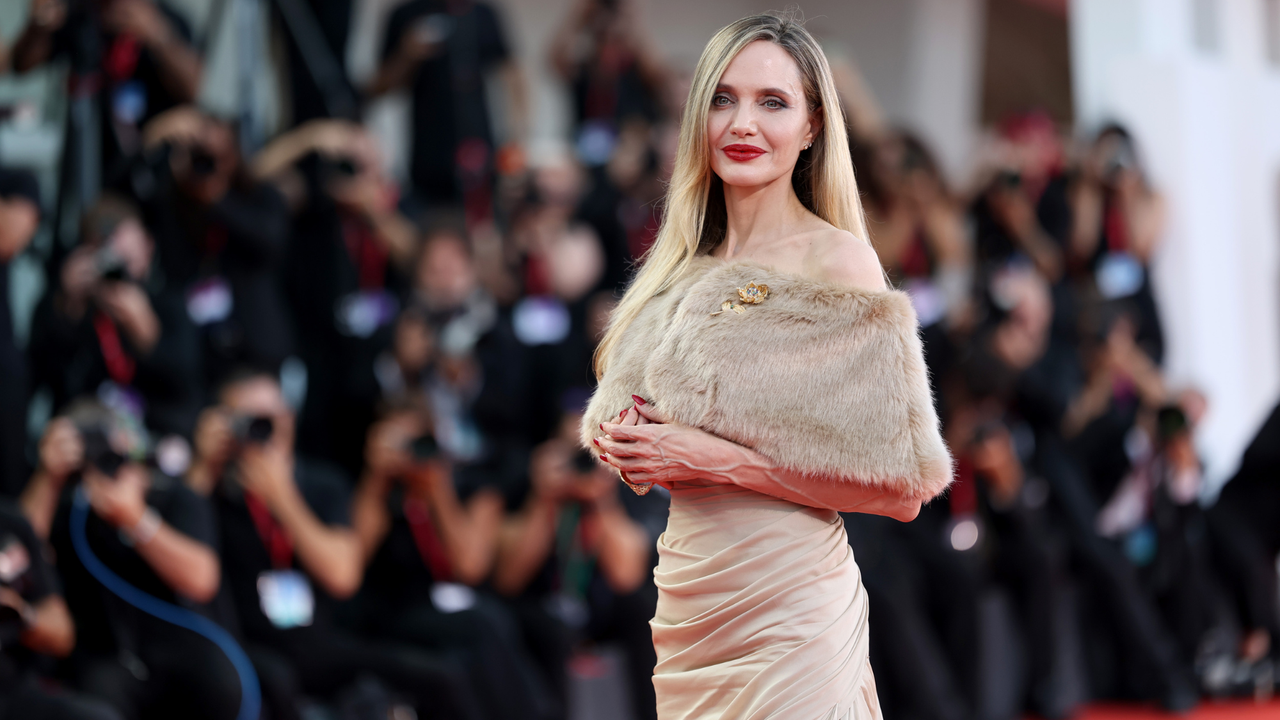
(276, 540)
(1117, 228)
(365, 252)
(120, 366)
(963, 495)
(425, 537)
(122, 57)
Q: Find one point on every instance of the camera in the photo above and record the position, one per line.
(252, 429)
(1009, 180)
(584, 463)
(98, 452)
(423, 448)
(110, 266)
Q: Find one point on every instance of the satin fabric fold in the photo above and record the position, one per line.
(761, 611)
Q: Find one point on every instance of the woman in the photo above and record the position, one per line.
(775, 382)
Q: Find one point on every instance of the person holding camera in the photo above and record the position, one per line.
(429, 530)
(220, 238)
(441, 52)
(347, 269)
(34, 622)
(138, 56)
(155, 534)
(575, 560)
(290, 554)
(111, 320)
(19, 220)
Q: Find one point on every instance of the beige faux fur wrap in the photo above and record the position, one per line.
(825, 379)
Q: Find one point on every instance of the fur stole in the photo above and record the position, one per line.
(822, 378)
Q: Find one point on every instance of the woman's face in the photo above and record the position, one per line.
(759, 119)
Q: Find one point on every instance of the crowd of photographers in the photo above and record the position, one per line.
(335, 416)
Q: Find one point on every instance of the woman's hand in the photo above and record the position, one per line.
(647, 448)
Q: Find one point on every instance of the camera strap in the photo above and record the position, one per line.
(273, 536)
(430, 547)
(120, 366)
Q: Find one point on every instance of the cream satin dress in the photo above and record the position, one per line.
(761, 611)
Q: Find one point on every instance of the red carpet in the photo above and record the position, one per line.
(1234, 710)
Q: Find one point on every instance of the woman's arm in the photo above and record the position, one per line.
(664, 453)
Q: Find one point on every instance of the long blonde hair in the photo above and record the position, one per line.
(694, 217)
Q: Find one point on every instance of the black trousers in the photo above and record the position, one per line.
(29, 701)
(486, 640)
(622, 619)
(321, 663)
(182, 675)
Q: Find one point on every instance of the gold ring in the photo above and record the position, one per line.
(637, 488)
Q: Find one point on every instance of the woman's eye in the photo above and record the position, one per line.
(720, 100)
(773, 104)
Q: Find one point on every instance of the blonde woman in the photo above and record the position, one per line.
(770, 381)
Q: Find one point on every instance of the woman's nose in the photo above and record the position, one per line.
(744, 122)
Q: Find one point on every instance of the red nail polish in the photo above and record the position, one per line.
(596, 441)
(639, 400)
(604, 458)
(602, 426)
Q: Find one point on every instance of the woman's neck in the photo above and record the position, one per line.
(758, 215)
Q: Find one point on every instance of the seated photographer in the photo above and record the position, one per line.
(34, 621)
(429, 530)
(576, 559)
(112, 320)
(156, 535)
(290, 554)
(345, 274)
(220, 238)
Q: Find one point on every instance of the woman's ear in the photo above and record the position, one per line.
(815, 127)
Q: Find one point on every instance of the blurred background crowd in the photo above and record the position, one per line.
(314, 376)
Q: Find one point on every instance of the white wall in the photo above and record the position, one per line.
(1208, 122)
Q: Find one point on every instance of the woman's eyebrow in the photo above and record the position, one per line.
(722, 87)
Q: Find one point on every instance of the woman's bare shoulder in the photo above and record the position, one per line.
(840, 257)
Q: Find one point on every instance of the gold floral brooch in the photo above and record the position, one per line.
(752, 294)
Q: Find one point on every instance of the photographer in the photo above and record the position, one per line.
(429, 530)
(575, 560)
(441, 52)
(19, 220)
(290, 554)
(1118, 221)
(33, 621)
(136, 55)
(347, 264)
(157, 536)
(111, 321)
(220, 238)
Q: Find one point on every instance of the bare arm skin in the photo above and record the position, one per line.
(667, 453)
(331, 554)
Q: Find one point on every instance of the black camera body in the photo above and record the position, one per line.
(98, 452)
(110, 266)
(423, 448)
(252, 429)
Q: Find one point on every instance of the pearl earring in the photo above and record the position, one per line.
(806, 145)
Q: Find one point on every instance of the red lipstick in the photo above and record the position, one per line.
(742, 153)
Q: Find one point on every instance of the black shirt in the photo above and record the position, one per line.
(132, 88)
(449, 104)
(67, 357)
(239, 242)
(246, 556)
(23, 569)
(105, 624)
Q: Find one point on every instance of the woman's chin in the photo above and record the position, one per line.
(741, 177)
